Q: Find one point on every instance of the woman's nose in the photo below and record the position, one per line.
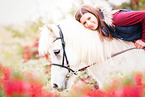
(88, 22)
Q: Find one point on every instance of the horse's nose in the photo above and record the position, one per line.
(55, 86)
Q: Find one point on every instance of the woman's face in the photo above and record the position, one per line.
(89, 21)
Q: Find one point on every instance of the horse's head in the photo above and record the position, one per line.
(63, 58)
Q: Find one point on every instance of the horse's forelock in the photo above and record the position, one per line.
(46, 38)
(52, 30)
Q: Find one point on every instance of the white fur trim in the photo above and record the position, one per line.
(107, 11)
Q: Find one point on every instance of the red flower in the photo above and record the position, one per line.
(129, 91)
(97, 93)
(27, 53)
(35, 89)
(36, 43)
(135, 2)
(47, 57)
(16, 87)
(6, 72)
(138, 78)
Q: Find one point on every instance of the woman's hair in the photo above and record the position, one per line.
(89, 9)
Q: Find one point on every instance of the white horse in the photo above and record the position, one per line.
(84, 47)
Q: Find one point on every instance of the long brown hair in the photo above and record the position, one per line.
(87, 8)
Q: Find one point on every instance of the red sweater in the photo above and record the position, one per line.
(130, 18)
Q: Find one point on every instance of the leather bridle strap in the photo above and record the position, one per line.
(63, 45)
(123, 51)
(64, 52)
(63, 67)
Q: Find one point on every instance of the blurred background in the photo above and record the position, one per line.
(19, 29)
(20, 11)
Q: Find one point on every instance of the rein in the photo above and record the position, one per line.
(113, 55)
(65, 56)
(123, 51)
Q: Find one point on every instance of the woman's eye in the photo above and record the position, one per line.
(84, 23)
(89, 18)
(56, 52)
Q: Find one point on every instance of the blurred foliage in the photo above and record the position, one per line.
(137, 4)
(19, 36)
(16, 33)
(31, 27)
(35, 25)
(133, 5)
(2, 92)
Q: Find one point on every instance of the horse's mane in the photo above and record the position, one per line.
(86, 43)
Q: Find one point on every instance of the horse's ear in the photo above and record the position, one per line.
(51, 28)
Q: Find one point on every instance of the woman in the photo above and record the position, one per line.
(123, 24)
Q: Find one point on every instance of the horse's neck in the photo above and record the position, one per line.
(115, 46)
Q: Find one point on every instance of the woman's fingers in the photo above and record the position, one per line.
(139, 44)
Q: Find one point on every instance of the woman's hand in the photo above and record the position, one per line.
(139, 44)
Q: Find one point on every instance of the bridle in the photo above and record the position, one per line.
(66, 59)
(64, 53)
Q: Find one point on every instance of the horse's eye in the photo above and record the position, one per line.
(56, 52)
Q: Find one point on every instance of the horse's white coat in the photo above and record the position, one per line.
(84, 47)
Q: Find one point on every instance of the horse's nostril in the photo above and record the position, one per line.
(55, 86)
